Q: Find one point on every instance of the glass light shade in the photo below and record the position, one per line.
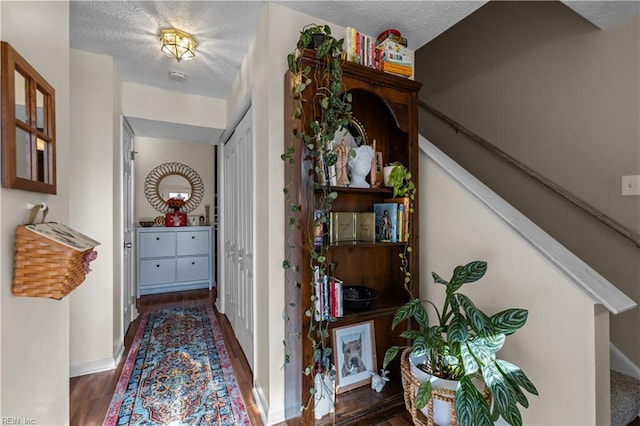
(178, 44)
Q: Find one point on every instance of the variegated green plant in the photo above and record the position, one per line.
(462, 345)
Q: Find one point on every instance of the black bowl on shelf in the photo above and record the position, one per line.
(358, 298)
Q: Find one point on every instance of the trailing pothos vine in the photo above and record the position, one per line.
(330, 110)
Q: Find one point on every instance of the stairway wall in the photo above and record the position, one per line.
(561, 96)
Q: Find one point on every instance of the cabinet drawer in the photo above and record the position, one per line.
(193, 268)
(157, 271)
(193, 242)
(157, 244)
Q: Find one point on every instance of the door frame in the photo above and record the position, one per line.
(123, 297)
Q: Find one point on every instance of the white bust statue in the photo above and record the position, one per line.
(360, 166)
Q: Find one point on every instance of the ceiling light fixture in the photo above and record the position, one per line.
(178, 44)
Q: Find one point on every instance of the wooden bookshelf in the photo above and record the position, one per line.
(387, 106)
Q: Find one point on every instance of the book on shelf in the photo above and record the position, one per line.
(328, 302)
(397, 68)
(318, 314)
(318, 229)
(365, 226)
(386, 217)
(351, 226)
(341, 227)
(335, 287)
(404, 223)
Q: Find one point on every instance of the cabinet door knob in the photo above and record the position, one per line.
(193, 263)
(193, 237)
(157, 238)
(157, 266)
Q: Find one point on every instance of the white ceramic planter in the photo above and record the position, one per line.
(386, 171)
(441, 409)
(324, 396)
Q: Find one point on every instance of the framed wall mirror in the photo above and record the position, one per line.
(173, 180)
(28, 126)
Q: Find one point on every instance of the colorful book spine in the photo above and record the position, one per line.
(318, 314)
(405, 220)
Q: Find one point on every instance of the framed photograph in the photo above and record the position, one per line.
(354, 355)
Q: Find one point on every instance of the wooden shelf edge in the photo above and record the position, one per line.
(384, 405)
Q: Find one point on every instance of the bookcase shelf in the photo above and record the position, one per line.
(387, 106)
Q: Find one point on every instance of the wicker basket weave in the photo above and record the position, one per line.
(410, 384)
(44, 267)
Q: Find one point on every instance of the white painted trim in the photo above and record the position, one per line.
(620, 363)
(578, 272)
(242, 110)
(98, 366)
(269, 417)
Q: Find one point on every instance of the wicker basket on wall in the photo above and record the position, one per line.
(51, 259)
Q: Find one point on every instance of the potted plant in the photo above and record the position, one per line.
(398, 177)
(461, 346)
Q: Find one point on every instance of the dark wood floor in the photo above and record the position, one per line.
(90, 395)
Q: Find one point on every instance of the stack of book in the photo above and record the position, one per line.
(328, 303)
(388, 52)
(395, 57)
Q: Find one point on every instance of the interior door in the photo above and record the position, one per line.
(128, 289)
(238, 234)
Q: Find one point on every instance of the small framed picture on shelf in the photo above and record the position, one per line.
(354, 353)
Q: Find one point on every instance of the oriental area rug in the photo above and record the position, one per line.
(177, 372)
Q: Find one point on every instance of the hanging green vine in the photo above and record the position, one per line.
(331, 110)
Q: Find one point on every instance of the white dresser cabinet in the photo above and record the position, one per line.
(174, 259)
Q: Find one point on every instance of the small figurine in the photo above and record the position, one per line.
(378, 381)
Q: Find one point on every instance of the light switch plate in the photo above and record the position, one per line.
(631, 185)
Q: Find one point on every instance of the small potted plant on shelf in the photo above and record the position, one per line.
(460, 347)
(398, 177)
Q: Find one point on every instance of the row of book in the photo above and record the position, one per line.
(388, 52)
(328, 303)
(389, 222)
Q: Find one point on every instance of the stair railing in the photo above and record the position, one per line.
(582, 205)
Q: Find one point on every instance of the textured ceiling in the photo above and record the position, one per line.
(128, 31)
(418, 21)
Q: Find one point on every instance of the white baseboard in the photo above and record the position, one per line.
(620, 363)
(269, 417)
(98, 366)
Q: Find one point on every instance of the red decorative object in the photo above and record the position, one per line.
(175, 203)
(175, 219)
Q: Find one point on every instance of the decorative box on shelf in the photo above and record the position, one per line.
(175, 219)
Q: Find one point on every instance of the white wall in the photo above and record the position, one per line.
(92, 191)
(173, 107)
(561, 96)
(262, 73)
(35, 331)
(152, 152)
(563, 347)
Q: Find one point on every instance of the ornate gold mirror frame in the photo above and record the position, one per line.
(155, 176)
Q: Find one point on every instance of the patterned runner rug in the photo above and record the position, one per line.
(178, 372)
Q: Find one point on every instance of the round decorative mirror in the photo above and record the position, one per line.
(173, 180)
